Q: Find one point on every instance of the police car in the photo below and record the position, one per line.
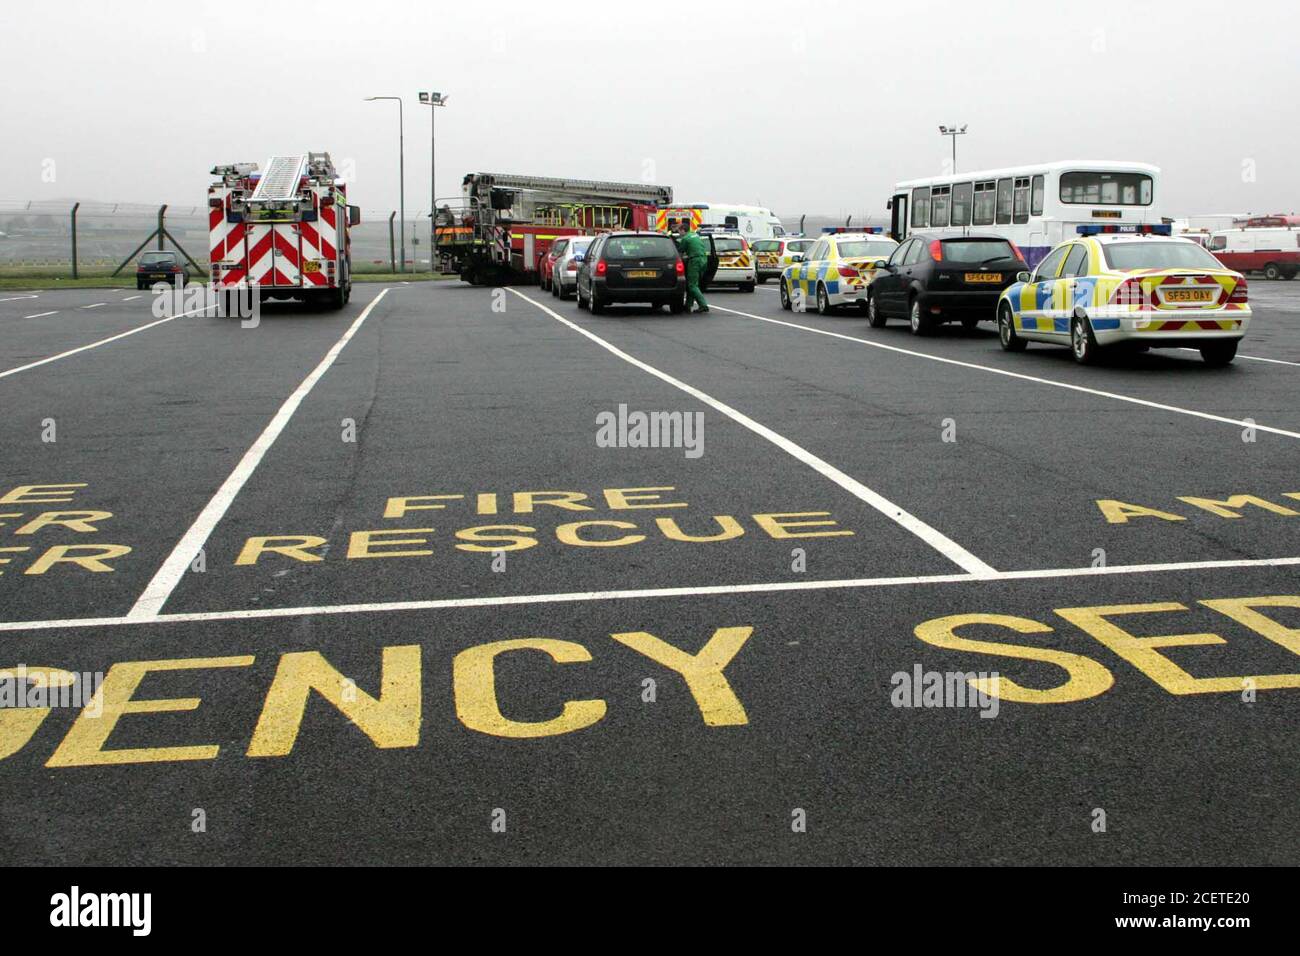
(771, 256)
(834, 272)
(735, 259)
(1133, 285)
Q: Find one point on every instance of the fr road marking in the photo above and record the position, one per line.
(508, 600)
(94, 305)
(159, 589)
(1020, 375)
(15, 298)
(937, 540)
(130, 297)
(38, 315)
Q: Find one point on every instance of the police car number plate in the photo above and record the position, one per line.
(1189, 295)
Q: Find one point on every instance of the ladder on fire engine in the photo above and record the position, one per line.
(280, 181)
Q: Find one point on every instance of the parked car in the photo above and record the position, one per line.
(159, 266)
(545, 268)
(1273, 251)
(735, 261)
(623, 267)
(564, 270)
(930, 280)
(771, 256)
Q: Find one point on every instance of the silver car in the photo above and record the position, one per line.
(564, 274)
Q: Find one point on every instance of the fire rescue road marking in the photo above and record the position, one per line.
(38, 315)
(94, 305)
(169, 575)
(93, 345)
(15, 298)
(130, 297)
(1028, 378)
(937, 540)
(637, 594)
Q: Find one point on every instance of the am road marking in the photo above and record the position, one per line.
(94, 305)
(130, 297)
(1020, 375)
(937, 540)
(15, 298)
(160, 588)
(38, 315)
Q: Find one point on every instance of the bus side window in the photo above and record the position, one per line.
(1020, 214)
(1004, 202)
(921, 207)
(984, 203)
(961, 197)
(939, 206)
(1036, 203)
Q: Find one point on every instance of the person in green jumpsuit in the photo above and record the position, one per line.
(696, 253)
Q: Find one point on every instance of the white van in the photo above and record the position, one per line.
(752, 222)
(1274, 251)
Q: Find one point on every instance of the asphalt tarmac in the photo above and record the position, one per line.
(372, 587)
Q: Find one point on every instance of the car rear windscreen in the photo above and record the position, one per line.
(158, 257)
(974, 251)
(865, 247)
(728, 245)
(640, 247)
(767, 245)
(1159, 255)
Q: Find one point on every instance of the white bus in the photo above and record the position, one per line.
(1035, 207)
(752, 222)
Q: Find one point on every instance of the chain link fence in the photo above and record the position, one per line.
(36, 237)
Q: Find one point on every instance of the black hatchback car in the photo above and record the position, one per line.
(622, 267)
(161, 266)
(930, 280)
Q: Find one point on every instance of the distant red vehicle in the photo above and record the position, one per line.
(1273, 251)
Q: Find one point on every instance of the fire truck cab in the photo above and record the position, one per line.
(285, 233)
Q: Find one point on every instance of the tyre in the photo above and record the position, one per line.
(1290, 273)
(917, 318)
(678, 305)
(582, 303)
(747, 287)
(1219, 354)
(139, 286)
(594, 302)
(761, 280)
(1082, 342)
(785, 297)
(555, 289)
(1007, 336)
(335, 299)
(875, 318)
(823, 300)
(970, 323)
(1272, 271)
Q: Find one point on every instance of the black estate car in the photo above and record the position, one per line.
(624, 267)
(931, 279)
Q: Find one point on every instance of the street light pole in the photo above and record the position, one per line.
(954, 132)
(401, 170)
(433, 100)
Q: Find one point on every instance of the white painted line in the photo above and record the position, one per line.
(935, 539)
(93, 345)
(637, 594)
(1256, 358)
(95, 306)
(130, 297)
(15, 298)
(160, 588)
(1023, 377)
(38, 315)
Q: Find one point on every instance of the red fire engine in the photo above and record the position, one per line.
(284, 233)
(506, 223)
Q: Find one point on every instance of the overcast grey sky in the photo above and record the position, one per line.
(813, 106)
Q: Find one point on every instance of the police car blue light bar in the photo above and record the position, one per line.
(834, 230)
(1137, 229)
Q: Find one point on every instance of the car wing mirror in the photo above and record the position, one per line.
(1024, 277)
(797, 257)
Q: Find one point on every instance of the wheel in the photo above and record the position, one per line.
(785, 297)
(582, 303)
(1219, 354)
(555, 289)
(1082, 342)
(678, 305)
(747, 287)
(970, 323)
(875, 318)
(762, 280)
(139, 286)
(1272, 271)
(1289, 273)
(594, 302)
(921, 323)
(1007, 336)
(823, 300)
(334, 299)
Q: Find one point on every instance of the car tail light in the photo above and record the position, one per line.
(1128, 292)
(601, 267)
(848, 272)
(1238, 296)
(936, 250)
(571, 266)
(681, 267)
(1016, 249)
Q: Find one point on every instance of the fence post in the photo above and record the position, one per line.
(162, 211)
(392, 248)
(75, 207)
